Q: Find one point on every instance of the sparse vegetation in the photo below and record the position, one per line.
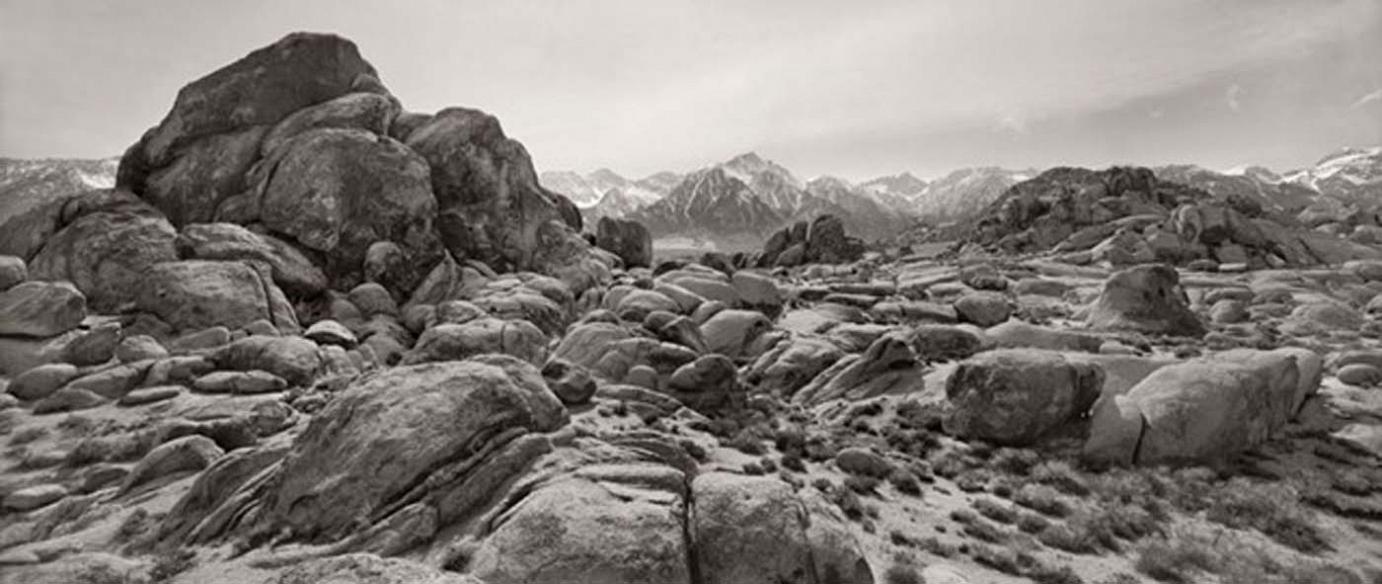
(1042, 499)
(902, 574)
(1173, 562)
(995, 511)
(1272, 509)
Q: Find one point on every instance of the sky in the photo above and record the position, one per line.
(851, 89)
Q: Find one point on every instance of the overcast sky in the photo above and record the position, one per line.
(855, 89)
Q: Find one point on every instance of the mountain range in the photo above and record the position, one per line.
(744, 199)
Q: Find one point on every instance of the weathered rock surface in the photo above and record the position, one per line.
(1145, 299)
(1015, 396)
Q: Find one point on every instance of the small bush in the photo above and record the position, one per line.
(1042, 499)
(1032, 523)
(1275, 510)
(862, 484)
(694, 450)
(1001, 559)
(1014, 461)
(973, 481)
(902, 574)
(793, 462)
(936, 547)
(1068, 537)
(823, 484)
(905, 482)
(849, 503)
(1060, 475)
(995, 511)
(1061, 575)
(790, 441)
(753, 469)
(1174, 562)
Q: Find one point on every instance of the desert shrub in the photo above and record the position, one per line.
(915, 416)
(983, 530)
(1018, 461)
(902, 574)
(995, 511)
(694, 450)
(754, 469)
(1061, 575)
(862, 484)
(849, 503)
(823, 484)
(905, 482)
(1001, 559)
(790, 441)
(963, 516)
(918, 443)
(1059, 474)
(1174, 562)
(1127, 521)
(1068, 537)
(1043, 499)
(900, 539)
(1031, 523)
(936, 547)
(793, 462)
(951, 464)
(973, 480)
(1274, 510)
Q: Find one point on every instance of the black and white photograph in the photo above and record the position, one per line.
(691, 292)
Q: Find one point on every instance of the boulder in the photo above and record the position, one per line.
(330, 332)
(255, 92)
(1204, 409)
(637, 304)
(384, 435)
(41, 309)
(12, 271)
(1017, 396)
(757, 290)
(196, 294)
(42, 381)
(106, 248)
(188, 453)
(490, 203)
(887, 366)
(291, 269)
(755, 530)
(628, 239)
(1360, 374)
(449, 342)
(572, 384)
(94, 346)
(138, 348)
(68, 399)
(30, 498)
(340, 191)
(295, 359)
(792, 364)
(940, 342)
(371, 112)
(708, 385)
(732, 332)
(1018, 334)
(239, 382)
(1145, 299)
(983, 309)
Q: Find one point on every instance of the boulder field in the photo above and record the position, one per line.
(311, 336)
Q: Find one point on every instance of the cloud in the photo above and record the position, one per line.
(1373, 97)
(1231, 97)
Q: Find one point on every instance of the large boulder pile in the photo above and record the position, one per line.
(821, 240)
(1127, 215)
(301, 143)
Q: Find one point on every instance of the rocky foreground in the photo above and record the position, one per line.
(311, 337)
